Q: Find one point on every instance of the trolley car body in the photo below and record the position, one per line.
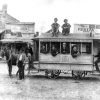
(64, 62)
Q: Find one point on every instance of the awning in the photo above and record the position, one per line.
(15, 40)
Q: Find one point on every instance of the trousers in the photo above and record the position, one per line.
(9, 63)
(96, 64)
(21, 69)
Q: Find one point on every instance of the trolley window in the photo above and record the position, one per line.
(55, 46)
(65, 47)
(45, 47)
(86, 48)
(77, 45)
(75, 49)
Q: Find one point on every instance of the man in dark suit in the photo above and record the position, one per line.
(54, 51)
(97, 61)
(29, 50)
(74, 51)
(64, 48)
(8, 55)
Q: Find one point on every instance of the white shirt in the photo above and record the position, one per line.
(20, 58)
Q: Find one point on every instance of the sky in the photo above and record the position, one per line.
(43, 12)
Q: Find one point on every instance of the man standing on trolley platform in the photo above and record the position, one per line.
(97, 61)
(66, 27)
(55, 27)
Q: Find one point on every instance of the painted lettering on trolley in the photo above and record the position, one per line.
(84, 29)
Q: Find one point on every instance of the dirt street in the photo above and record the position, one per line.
(37, 87)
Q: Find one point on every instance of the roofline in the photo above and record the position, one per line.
(52, 38)
(22, 23)
(70, 36)
(13, 17)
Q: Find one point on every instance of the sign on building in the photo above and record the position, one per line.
(23, 28)
(87, 28)
(20, 29)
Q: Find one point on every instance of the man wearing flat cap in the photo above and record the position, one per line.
(55, 28)
(66, 27)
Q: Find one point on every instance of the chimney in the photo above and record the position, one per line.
(4, 8)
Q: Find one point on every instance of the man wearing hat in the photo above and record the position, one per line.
(66, 27)
(75, 51)
(8, 54)
(21, 62)
(64, 48)
(97, 61)
(55, 27)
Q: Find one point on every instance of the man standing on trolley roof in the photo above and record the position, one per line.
(55, 27)
(66, 27)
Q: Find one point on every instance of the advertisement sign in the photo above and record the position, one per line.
(20, 30)
(23, 28)
(87, 28)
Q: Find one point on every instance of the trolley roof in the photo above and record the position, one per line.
(72, 37)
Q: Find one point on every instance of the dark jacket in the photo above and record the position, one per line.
(29, 50)
(98, 55)
(54, 52)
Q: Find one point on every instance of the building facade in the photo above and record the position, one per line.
(11, 27)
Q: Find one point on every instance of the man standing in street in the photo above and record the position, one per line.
(21, 63)
(29, 53)
(29, 49)
(8, 54)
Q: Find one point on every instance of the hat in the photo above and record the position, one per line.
(64, 43)
(65, 20)
(55, 19)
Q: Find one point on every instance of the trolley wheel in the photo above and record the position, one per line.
(49, 74)
(52, 74)
(78, 74)
(56, 73)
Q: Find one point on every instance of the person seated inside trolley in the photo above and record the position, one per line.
(43, 49)
(97, 61)
(64, 48)
(55, 27)
(54, 50)
(74, 51)
(66, 27)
